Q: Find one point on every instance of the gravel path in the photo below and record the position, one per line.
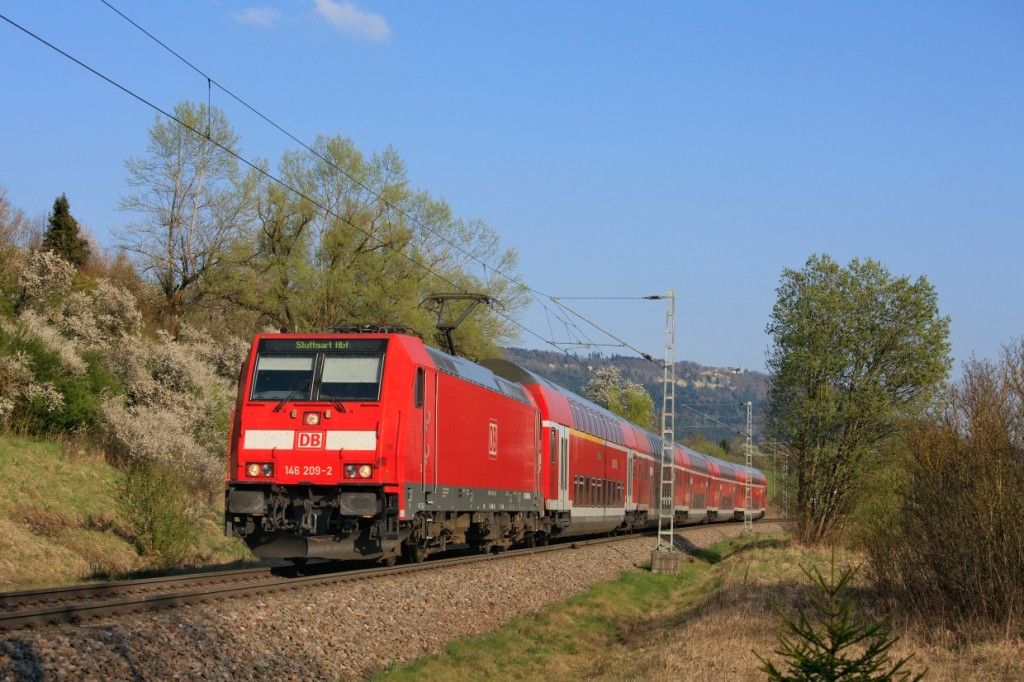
(323, 633)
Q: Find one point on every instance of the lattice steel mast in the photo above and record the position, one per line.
(666, 502)
(748, 502)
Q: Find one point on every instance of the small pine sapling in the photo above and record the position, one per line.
(843, 648)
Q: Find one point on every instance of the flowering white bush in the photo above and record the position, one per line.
(159, 433)
(176, 405)
(18, 383)
(100, 317)
(46, 278)
(177, 392)
(32, 323)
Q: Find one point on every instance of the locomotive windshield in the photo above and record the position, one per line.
(328, 370)
(283, 376)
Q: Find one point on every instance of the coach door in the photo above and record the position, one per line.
(630, 466)
(560, 470)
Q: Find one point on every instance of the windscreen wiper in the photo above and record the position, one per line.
(336, 401)
(291, 396)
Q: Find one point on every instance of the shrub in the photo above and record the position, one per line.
(175, 408)
(58, 392)
(44, 280)
(956, 547)
(153, 501)
(18, 386)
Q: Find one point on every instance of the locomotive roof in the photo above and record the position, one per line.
(448, 364)
(477, 374)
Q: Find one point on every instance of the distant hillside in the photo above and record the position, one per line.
(713, 391)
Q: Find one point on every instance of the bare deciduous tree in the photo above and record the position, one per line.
(191, 196)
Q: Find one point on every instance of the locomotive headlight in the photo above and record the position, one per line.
(259, 469)
(351, 470)
(365, 471)
(311, 418)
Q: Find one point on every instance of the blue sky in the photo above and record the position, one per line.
(623, 149)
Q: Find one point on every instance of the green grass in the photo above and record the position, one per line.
(60, 525)
(577, 639)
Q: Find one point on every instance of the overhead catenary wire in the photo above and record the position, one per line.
(389, 205)
(538, 296)
(259, 169)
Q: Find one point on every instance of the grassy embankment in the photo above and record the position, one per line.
(60, 525)
(704, 624)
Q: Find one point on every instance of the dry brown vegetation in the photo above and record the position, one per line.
(716, 640)
(954, 552)
(705, 625)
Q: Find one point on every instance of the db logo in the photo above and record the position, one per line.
(310, 440)
(492, 441)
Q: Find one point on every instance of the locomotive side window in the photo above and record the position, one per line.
(351, 377)
(418, 388)
(283, 376)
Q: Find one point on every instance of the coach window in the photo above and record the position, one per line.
(418, 389)
(554, 445)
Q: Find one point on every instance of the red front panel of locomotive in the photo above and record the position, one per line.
(310, 412)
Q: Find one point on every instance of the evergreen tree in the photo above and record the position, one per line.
(63, 236)
(842, 647)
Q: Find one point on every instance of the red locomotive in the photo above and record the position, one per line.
(371, 446)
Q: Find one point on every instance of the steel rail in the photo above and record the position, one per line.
(33, 608)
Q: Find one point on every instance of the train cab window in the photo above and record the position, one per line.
(418, 386)
(278, 377)
(351, 377)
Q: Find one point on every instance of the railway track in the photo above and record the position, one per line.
(36, 608)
